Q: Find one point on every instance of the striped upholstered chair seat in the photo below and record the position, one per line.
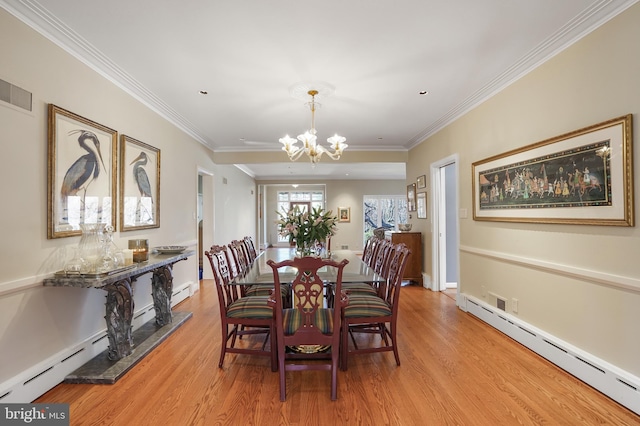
(250, 307)
(265, 290)
(366, 306)
(292, 320)
(359, 288)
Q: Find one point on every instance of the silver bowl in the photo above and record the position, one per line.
(404, 226)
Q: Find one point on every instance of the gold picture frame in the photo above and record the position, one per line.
(139, 185)
(422, 205)
(344, 214)
(81, 173)
(422, 181)
(411, 197)
(584, 177)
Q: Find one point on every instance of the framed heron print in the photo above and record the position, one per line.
(139, 185)
(81, 173)
(582, 177)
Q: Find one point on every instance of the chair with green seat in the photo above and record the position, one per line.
(238, 257)
(309, 322)
(240, 316)
(369, 314)
(380, 264)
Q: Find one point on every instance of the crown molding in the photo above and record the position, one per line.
(590, 19)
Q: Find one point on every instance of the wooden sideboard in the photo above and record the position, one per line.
(413, 240)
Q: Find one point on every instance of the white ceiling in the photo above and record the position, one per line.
(378, 55)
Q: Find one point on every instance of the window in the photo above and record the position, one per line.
(303, 199)
(383, 211)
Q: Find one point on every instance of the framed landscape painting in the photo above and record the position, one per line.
(81, 173)
(583, 177)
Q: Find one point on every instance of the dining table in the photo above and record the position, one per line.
(260, 272)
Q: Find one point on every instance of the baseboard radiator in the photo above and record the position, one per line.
(35, 381)
(617, 384)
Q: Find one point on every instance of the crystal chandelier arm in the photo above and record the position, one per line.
(338, 145)
(289, 146)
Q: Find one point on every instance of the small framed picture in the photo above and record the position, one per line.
(411, 197)
(422, 181)
(422, 205)
(344, 214)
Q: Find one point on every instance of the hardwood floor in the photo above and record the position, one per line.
(455, 370)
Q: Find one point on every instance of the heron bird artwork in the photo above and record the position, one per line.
(144, 187)
(83, 171)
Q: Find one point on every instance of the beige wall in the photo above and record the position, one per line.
(594, 80)
(37, 324)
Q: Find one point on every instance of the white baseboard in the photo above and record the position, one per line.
(35, 381)
(426, 281)
(612, 381)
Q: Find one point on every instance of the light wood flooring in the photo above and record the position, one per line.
(455, 370)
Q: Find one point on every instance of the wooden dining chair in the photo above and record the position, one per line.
(369, 248)
(380, 266)
(238, 251)
(309, 321)
(375, 314)
(238, 256)
(240, 316)
(252, 254)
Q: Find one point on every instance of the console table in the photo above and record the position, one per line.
(119, 314)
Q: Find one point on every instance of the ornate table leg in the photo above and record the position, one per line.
(118, 316)
(162, 289)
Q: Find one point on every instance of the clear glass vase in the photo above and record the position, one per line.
(303, 248)
(91, 246)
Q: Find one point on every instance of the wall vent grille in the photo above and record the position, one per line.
(14, 95)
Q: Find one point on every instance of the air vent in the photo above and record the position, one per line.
(15, 95)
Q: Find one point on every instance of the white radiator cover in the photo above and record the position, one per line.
(612, 381)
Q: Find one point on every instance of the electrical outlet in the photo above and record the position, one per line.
(514, 305)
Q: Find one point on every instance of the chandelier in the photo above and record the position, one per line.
(309, 146)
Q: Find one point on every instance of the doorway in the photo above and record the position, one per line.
(204, 220)
(445, 241)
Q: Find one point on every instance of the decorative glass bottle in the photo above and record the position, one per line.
(111, 257)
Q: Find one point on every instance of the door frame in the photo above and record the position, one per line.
(208, 216)
(438, 244)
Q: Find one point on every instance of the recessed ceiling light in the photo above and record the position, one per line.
(204, 92)
(424, 92)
